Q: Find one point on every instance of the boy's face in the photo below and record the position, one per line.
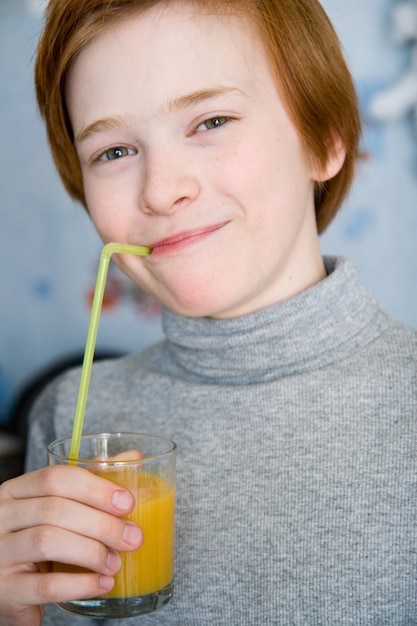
(185, 147)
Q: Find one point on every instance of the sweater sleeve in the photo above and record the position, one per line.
(41, 429)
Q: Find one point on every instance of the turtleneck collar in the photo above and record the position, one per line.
(322, 324)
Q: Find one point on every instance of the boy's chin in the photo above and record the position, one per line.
(193, 306)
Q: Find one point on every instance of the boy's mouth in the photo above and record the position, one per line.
(183, 239)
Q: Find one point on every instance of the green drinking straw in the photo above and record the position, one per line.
(107, 251)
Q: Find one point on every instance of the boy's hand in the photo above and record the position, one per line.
(64, 514)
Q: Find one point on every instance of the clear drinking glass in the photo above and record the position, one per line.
(146, 579)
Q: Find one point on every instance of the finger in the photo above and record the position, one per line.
(70, 482)
(127, 455)
(116, 533)
(39, 589)
(49, 543)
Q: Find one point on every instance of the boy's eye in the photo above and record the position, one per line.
(213, 122)
(115, 153)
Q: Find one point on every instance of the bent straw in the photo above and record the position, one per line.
(107, 251)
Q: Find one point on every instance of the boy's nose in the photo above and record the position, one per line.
(169, 182)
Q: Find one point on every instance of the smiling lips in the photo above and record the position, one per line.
(182, 240)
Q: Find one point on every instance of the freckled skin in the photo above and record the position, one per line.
(198, 158)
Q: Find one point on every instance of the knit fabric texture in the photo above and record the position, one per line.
(296, 472)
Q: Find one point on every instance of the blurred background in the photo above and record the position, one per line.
(49, 251)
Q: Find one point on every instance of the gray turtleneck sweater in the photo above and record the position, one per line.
(296, 434)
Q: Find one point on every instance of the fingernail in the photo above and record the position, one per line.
(122, 500)
(106, 582)
(114, 561)
(132, 534)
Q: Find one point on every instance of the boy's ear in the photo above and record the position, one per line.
(334, 163)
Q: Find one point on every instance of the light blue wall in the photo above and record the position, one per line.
(377, 227)
(49, 251)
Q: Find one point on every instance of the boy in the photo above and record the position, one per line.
(223, 135)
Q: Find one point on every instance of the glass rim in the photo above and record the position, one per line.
(107, 434)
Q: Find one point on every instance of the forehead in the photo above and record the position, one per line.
(140, 68)
(197, 43)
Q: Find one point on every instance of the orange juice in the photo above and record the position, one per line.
(151, 567)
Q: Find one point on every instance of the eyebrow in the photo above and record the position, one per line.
(177, 104)
(183, 102)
